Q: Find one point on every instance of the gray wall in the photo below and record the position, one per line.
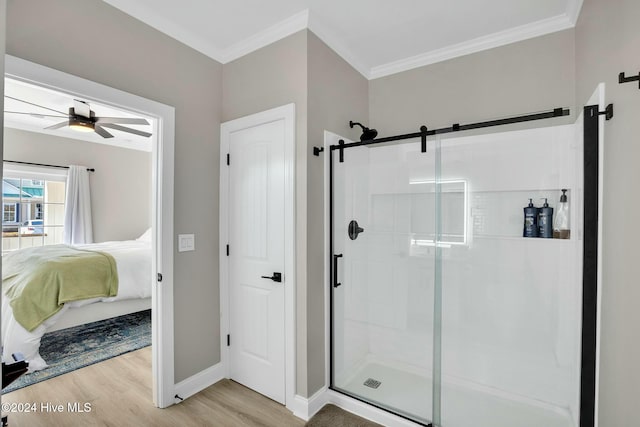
(607, 43)
(120, 186)
(267, 78)
(337, 94)
(327, 93)
(529, 76)
(123, 53)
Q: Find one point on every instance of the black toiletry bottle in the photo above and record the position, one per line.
(545, 221)
(530, 220)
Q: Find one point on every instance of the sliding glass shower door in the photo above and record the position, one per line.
(384, 233)
(441, 311)
(511, 305)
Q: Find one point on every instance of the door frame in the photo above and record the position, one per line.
(286, 113)
(162, 183)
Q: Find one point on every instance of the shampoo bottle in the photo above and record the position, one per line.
(530, 220)
(561, 220)
(545, 221)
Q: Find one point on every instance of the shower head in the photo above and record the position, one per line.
(367, 134)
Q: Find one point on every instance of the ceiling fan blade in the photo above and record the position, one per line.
(102, 132)
(36, 105)
(121, 120)
(35, 114)
(125, 129)
(59, 125)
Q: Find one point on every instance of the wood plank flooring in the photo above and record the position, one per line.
(119, 393)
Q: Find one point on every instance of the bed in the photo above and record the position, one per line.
(132, 261)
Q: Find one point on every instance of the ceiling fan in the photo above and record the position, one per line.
(83, 119)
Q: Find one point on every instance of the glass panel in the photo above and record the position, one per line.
(54, 191)
(510, 305)
(383, 310)
(33, 212)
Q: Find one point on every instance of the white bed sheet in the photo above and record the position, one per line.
(133, 262)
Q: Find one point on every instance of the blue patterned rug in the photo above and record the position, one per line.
(73, 348)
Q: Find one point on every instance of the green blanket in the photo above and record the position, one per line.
(38, 281)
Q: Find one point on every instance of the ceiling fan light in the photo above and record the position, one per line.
(80, 126)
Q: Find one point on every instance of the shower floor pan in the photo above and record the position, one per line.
(409, 394)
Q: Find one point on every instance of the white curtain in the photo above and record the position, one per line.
(77, 216)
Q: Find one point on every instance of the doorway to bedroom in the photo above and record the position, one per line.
(105, 195)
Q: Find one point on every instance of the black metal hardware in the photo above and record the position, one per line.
(317, 150)
(43, 164)
(227, 250)
(277, 277)
(589, 267)
(423, 138)
(608, 112)
(367, 134)
(557, 112)
(341, 143)
(623, 79)
(159, 277)
(335, 270)
(354, 230)
(228, 159)
(228, 340)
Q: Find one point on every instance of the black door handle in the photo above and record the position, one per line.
(335, 270)
(277, 277)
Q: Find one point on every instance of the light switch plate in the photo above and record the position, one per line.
(186, 242)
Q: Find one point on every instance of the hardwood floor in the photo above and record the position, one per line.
(118, 392)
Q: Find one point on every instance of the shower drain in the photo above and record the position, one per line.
(370, 382)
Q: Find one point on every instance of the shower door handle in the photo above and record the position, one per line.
(335, 270)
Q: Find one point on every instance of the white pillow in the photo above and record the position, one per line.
(146, 236)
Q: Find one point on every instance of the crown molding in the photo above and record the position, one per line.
(573, 10)
(305, 20)
(282, 29)
(501, 38)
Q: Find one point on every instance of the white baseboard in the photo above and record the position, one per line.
(305, 408)
(366, 411)
(198, 382)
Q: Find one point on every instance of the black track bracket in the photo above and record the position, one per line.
(423, 138)
(623, 79)
(317, 151)
(608, 112)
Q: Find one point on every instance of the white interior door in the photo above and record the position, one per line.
(256, 258)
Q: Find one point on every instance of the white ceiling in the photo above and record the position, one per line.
(377, 37)
(44, 103)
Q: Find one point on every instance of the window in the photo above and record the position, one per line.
(33, 209)
(9, 212)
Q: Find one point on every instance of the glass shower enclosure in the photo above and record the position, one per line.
(441, 311)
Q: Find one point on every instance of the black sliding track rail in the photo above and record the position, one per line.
(556, 112)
